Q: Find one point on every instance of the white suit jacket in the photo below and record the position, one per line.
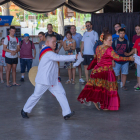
(48, 68)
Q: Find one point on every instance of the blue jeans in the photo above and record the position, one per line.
(25, 63)
(123, 67)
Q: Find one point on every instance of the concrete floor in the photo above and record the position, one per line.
(47, 123)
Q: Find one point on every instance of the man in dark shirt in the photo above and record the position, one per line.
(59, 39)
(120, 46)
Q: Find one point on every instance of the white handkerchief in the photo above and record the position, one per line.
(137, 59)
(79, 60)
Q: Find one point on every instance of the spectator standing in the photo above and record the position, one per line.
(137, 35)
(11, 47)
(77, 37)
(58, 38)
(137, 52)
(121, 46)
(69, 47)
(42, 38)
(115, 36)
(2, 61)
(26, 57)
(87, 46)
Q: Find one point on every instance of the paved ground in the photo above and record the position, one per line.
(47, 123)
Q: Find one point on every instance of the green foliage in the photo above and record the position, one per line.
(53, 20)
(15, 21)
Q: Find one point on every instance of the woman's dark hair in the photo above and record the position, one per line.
(137, 26)
(2, 39)
(105, 30)
(117, 23)
(68, 32)
(106, 36)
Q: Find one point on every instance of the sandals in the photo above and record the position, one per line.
(8, 85)
(124, 88)
(68, 82)
(16, 85)
(73, 82)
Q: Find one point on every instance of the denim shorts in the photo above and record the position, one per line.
(25, 63)
(138, 70)
(123, 67)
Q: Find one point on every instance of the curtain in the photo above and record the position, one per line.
(86, 6)
(44, 6)
(109, 19)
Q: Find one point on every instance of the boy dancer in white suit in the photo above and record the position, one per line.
(47, 79)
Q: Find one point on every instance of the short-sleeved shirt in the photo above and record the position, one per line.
(115, 36)
(121, 48)
(11, 45)
(89, 39)
(135, 37)
(77, 37)
(41, 44)
(58, 38)
(137, 46)
(70, 52)
(26, 50)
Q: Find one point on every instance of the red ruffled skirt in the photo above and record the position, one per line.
(103, 88)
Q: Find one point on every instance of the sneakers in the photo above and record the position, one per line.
(81, 80)
(137, 89)
(2, 81)
(22, 79)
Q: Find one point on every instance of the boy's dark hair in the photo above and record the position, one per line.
(121, 30)
(89, 22)
(118, 24)
(68, 32)
(2, 39)
(42, 33)
(49, 24)
(12, 27)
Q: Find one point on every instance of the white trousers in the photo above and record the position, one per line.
(58, 91)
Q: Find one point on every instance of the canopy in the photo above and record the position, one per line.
(44, 6)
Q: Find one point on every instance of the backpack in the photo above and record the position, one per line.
(22, 43)
(98, 43)
(128, 44)
(3, 52)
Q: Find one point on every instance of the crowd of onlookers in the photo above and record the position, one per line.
(72, 43)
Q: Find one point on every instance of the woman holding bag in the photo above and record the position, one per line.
(2, 60)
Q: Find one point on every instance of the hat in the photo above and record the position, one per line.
(123, 26)
(26, 35)
(32, 74)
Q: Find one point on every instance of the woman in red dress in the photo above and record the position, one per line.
(102, 86)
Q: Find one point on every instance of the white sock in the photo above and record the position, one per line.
(22, 76)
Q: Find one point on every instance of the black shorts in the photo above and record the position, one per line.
(11, 60)
(87, 59)
(78, 50)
